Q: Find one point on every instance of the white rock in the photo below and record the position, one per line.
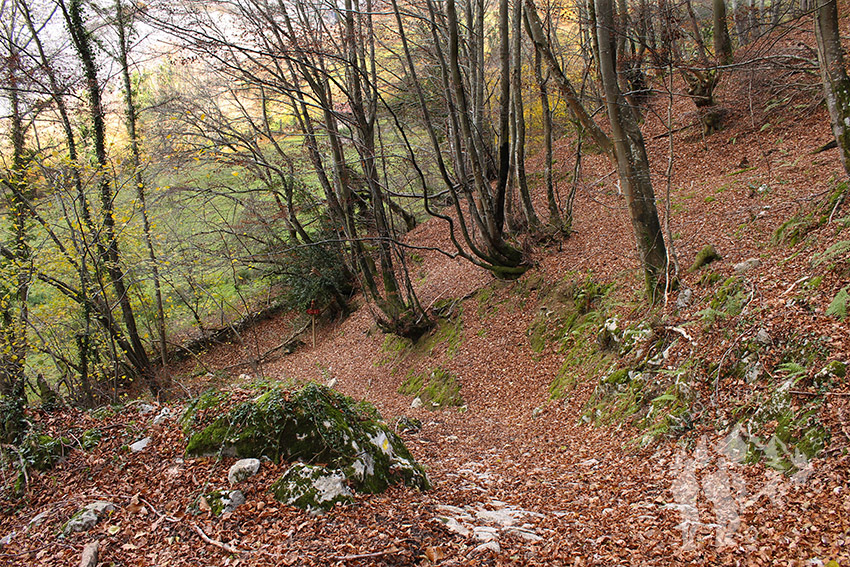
(242, 469)
(488, 546)
(145, 409)
(746, 265)
(89, 556)
(140, 444)
(485, 533)
(233, 500)
(589, 462)
(524, 534)
(416, 403)
(100, 507)
(454, 526)
(162, 416)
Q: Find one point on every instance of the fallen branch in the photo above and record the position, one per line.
(264, 356)
(215, 542)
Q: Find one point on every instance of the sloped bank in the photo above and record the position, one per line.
(314, 425)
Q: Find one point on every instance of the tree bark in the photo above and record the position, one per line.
(836, 83)
(632, 161)
(722, 41)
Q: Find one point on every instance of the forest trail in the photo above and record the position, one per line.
(516, 467)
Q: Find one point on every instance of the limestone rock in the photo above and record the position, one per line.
(164, 414)
(454, 526)
(312, 488)
(145, 409)
(82, 521)
(747, 265)
(242, 469)
(231, 501)
(313, 424)
(140, 445)
(89, 556)
(492, 545)
(685, 297)
(100, 507)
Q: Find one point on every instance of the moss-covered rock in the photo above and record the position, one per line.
(704, 257)
(312, 488)
(436, 389)
(317, 425)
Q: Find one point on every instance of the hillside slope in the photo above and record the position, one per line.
(514, 465)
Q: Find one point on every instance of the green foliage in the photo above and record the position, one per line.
(437, 389)
(838, 307)
(315, 272)
(797, 228)
(837, 253)
(704, 257)
(728, 301)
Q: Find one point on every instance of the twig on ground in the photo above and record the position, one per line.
(215, 542)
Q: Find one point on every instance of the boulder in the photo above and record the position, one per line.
(313, 424)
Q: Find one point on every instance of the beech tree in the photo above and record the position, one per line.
(833, 71)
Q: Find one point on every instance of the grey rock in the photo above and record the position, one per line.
(38, 518)
(140, 444)
(312, 488)
(524, 533)
(242, 469)
(89, 556)
(753, 373)
(747, 265)
(232, 500)
(162, 416)
(454, 526)
(82, 521)
(485, 533)
(763, 338)
(145, 409)
(685, 297)
(100, 507)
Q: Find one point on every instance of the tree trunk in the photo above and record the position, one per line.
(111, 255)
(519, 111)
(131, 114)
(722, 42)
(836, 83)
(632, 161)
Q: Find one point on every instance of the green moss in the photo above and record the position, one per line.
(311, 488)
(704, 257)
(317, 425)
(211, 399)
(797, 228)
(437, 389)
(619, 376)
(710, 278)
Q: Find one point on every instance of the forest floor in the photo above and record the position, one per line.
(581, 494)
